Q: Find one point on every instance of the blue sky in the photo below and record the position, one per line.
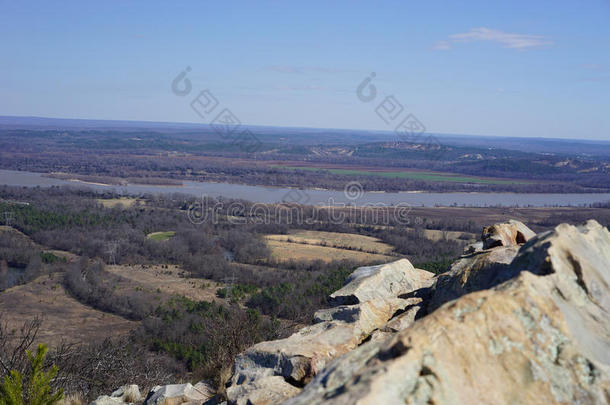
(522, 68)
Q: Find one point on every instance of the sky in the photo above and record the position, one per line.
(518, 68)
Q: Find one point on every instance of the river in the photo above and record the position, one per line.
(264, 194)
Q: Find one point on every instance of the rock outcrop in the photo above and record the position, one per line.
(473, 272)
(506, 234)
(381, 282)
(519, 319)
(202, 393)
(523, 318)
(483, 266)
(127, 394)
(177, 394)
(369, 299)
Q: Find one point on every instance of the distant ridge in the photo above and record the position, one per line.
(322, 135)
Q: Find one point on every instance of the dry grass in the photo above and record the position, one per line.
(285, 251)
(72, 399)
(17, 234)
(64, 318)
(436, 235)
(169, 280)
(161, 236)
(125, 202)
(335, 239)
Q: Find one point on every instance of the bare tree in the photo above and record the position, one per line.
(14, 343)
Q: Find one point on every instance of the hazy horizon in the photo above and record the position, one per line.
(390, 133)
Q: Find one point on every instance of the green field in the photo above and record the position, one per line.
(161, 236)
(426, 176)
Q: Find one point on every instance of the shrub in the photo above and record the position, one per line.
(35, 387)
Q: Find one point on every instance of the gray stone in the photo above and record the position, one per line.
(509, 233)
(128, 393)
(107, 400)
(176, 394)
(382, 281)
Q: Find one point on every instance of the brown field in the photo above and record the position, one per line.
(335, 239)
(285, 251)
(64, 318)
(436, 235)
(169, 281)
(535, 218)
(18, 234)
(70, 257)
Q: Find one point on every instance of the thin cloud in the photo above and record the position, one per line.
(442, 46)
(506, 39)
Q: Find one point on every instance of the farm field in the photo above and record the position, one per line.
(124, 202)
(284, 251)
(336, 240)
(436, 235)
(168, 279)
(66, 319)
(161, 236)
(63, 317)
(409, 174)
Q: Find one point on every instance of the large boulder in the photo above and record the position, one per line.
(262, 391)
(127, 394)
(484, 265)
(401, 321)
(177, 394)
(506, 234)
(368, 300)
(108, 400)
(542, 337)
(302, 355)
(382, 281)
(577, 260)
(473, 272)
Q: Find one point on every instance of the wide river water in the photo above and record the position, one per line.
(264, 194)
